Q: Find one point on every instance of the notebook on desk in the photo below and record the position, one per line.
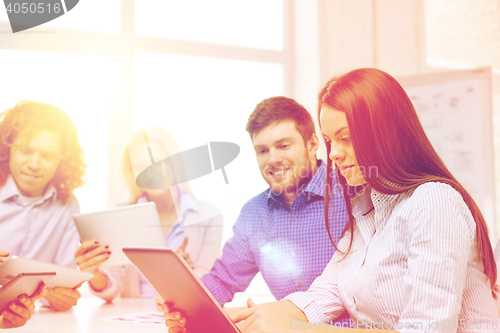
(177, 283)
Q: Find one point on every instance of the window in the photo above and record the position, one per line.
(199, 100)
(69, 82)
(252, 24)
(208, 63)
(197, 68)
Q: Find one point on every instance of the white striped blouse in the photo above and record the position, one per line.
(497, 260)
(413, 267)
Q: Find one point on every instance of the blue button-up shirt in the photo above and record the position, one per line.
(288, 245)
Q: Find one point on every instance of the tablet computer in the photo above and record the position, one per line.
(65, 276)
(22, 284)
(179, 286)
(134, 225)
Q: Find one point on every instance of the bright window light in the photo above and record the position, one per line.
(199, 100)
(253, 24)
(76, 84)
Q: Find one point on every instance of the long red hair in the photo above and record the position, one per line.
(386, 133)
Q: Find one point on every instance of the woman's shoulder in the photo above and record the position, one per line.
(437, 201)
(435, 186)
(435, 193)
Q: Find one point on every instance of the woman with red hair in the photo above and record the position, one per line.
(415, 255)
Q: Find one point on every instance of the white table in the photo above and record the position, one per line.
(86, 317)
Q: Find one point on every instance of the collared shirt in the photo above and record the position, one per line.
(288, 245)
(175, 235)
(39, 228)
(174, 238)
(413, 267)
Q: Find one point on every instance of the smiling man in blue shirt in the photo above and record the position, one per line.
(280, 232)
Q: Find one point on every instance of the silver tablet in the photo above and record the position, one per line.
(181, 288)
(134, 225)
(65, 276)
(22, 284)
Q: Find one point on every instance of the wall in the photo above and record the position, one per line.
(386, 34)
(335, 36)
(463, 31)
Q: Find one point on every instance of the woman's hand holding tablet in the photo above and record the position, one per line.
(89, 257)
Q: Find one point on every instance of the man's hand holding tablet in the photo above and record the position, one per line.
(18, 313)
(61, 298)
(176, 322)
(62, 291)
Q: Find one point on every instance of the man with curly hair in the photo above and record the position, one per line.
(41, 163)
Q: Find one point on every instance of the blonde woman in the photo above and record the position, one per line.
(192, 226)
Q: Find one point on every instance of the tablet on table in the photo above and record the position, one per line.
(181, 288)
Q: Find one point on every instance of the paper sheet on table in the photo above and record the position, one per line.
(143, 318)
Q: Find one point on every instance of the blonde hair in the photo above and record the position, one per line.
(161, 137)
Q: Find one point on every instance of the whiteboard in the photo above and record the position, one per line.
(455, 109)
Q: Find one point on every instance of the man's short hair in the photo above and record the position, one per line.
(30, 118)
(277, 109)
